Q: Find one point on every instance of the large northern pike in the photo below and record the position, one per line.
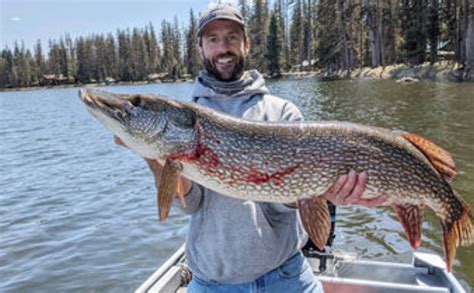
(287, 162)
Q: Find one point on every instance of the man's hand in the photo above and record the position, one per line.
(157, 171)
(348, 190)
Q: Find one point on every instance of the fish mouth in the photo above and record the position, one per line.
(103, 102)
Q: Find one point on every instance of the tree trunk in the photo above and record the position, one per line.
(345, 50)
(469, 73)
(380, 35)
(372, 35)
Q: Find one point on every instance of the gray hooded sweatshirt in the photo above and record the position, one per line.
(232, 240)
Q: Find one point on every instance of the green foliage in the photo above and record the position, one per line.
(274, 47)
(258, 33)
(193, 63)
(337, 34)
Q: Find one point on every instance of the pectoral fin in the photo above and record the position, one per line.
(316, 219)
(167, 189)
(410, 216)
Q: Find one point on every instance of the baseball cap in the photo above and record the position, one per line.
(225, 12)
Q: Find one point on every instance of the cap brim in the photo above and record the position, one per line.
(204, 25)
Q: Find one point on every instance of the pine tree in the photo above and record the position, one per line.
(469, 75)
(139, 56)
(274, 46)
(63, 58)
(3, 71)
(30, 68)
(281, 9)
(297, 35)
(178, 67)
(193, 63)
(328, 39)
(308, 34)
(39, 61)
(168, 61)
(22, 67)
(245, 10)
(414, 33)
(71, 53)
(258, 35)
(154, 51)
(124, 52)
(111, 57)
(85, 61)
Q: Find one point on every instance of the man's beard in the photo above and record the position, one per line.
(236, 73)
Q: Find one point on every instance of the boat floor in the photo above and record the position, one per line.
(338, 273)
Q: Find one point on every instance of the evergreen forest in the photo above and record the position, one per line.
(286, 36)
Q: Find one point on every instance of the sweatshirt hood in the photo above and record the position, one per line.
(250, 84)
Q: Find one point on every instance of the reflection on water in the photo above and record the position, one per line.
(78, 212)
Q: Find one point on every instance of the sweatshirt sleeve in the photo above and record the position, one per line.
(291, 113)
(193, 199)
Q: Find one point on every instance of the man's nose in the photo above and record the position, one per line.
(224, 44)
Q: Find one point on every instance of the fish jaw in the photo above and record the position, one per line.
(148, 126)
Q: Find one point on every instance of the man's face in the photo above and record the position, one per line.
(224, 49)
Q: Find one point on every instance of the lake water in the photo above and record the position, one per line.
(78, 213)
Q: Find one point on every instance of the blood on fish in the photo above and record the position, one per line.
(258, 177)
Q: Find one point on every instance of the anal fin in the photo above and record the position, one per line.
(316, 219)
(411, 217)
(168, 186)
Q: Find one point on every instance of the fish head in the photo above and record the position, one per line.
(151, 126)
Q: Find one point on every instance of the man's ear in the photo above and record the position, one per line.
(201, 51)
(247, 46)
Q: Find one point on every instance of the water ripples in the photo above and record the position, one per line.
(78, 213)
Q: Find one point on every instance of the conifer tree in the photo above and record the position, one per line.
(3, 71)
(39, 61)
(258, 35)
(154, 51)
(297, 35)
(469, 74)
(193, 63)
(274, 46)
(124, 52)
(10, 76)
(85, 61)
(328, 38)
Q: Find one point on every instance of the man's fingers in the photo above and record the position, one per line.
(118, 141)
(348, 185)
(336, 187)
(358, 189)
(373, 202)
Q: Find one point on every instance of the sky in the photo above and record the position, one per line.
(29, 20)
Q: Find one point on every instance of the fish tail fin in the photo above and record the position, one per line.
(316, 219)
(457, 231)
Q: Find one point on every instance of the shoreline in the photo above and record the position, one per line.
(439, 72)
(73, 85)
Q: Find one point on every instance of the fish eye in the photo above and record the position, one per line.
(136, 101)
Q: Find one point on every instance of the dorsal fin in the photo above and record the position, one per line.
(440, 158)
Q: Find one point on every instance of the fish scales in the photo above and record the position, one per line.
(288, 162)
(244, 160)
